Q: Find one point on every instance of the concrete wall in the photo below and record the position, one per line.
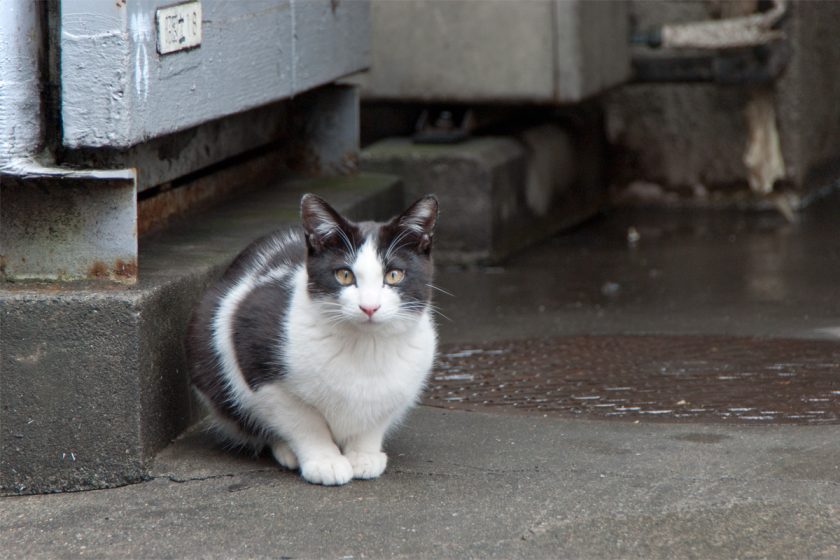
(808, 94)
(549, 51)
(691, 139)
(683, 137)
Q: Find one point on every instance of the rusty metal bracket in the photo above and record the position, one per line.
(444, 126)
(67, 224)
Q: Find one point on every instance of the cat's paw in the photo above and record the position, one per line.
(284, 455)
(367, 465)
(329, 471)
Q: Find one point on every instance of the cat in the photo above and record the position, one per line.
(318, 340)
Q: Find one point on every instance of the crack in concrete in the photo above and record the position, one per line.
(424, 473)
(699, 479)
(493, 472)
(182, 480)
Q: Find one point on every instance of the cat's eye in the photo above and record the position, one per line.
(344, 276)
(394, 276)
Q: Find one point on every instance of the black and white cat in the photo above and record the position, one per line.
(317, 342)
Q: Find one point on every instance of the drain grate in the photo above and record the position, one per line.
(675, 378)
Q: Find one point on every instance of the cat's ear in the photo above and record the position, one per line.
(420, 219)
(322, 225)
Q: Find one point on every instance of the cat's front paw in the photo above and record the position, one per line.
(367, 465)
(329, 471)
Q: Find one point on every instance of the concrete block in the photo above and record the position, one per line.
(556, 51)
(92, 385)
(497, 194)
(93, 380)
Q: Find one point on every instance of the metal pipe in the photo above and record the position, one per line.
(21, 48)
(732, 33)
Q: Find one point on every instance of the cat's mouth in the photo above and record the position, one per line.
(373, 322)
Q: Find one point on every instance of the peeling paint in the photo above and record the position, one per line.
(122, 271)
(141, 30)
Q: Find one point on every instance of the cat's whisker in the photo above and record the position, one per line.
(422, 306)
(350, 247)
(441, 290)
(394, 245)
(333, 318)
(389, 251)
(439, 312)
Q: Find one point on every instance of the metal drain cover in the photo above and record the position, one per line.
(675, 378)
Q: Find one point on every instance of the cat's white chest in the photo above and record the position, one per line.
(355, 379)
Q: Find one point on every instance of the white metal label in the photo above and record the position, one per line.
(178, 27)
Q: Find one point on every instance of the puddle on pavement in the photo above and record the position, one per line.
(662, 378)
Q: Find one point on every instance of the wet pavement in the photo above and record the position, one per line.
(739, 312)
(648, 378)
(465, 485)
(690, 272)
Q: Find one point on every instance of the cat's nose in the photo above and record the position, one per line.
(369, 310)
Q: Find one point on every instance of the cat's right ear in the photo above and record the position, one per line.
(321, 223)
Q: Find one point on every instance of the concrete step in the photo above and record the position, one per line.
(499, 194)
(94, 381)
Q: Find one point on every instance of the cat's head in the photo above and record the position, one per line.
(370, 274)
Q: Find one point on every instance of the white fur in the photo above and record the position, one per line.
(222, 330)
(349, 377)
(236, 385)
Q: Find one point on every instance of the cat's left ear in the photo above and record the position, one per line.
(420, 219)
(322, 225)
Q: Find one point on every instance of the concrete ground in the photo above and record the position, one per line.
(477, 485)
